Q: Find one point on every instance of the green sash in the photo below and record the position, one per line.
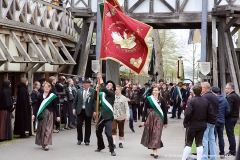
(105, 103)
(144, 95)
(44, 104)
(156, 106)
(179, 95)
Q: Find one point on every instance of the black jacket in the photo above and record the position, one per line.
(197, 113)
(6, 100)
(234, 103)
(52, 107)
(213, 99)
(23, 118)
(148, 105)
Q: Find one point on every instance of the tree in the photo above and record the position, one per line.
(166, 54)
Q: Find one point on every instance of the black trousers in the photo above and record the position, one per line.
(80, 118)
(63, 114)
(140, 109)
(175, 107)
(108, 132)
(134, 109)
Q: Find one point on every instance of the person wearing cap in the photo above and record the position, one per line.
(223, 110)
(107, 98)
(84, 109)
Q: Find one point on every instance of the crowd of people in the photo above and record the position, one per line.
(66, 104)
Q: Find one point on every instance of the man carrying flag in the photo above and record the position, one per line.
(107, 97)
(179, 98)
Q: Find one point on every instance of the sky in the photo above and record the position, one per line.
(182, 40)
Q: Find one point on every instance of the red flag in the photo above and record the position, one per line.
(124, 39)
(115, 4)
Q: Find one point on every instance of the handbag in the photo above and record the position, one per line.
(40, 117)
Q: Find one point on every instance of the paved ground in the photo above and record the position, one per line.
(65, 148)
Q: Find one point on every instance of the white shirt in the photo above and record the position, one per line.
(83, 106)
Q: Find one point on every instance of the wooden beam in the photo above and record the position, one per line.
(229, 57)
(77, 28)
(36, 50)
(168, 5)
(29, 28)
(230, 23)
(177, 6)
(234, 56)
(84, 56)
(29, 67)
(183, 5)
(61, 68)
(70, 60)
(235, 30)
(135, 5)
(214, 53)
(43, 50)
(82, 37)
(39, 65)
(6, 52)
(126, 6)
(55, 52)
(21, 48)
(222, 64)
(151, 7)
(218, 2)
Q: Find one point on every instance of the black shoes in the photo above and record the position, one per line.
(230, 154)
(87, 143)
(132, 130)
(179, 117)
(98, 150)
(172, 117)
(113, 153)
(155, 156)
(120, 145)
(79, 142)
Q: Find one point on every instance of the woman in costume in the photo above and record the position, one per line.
(6, 107)
(45, 106)
(153, 119)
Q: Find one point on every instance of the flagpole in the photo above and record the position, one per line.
(98, 50)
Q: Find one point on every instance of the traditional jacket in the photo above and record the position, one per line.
(120, 108)
(110, 97)
(90, 106)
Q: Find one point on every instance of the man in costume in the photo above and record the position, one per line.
(178, 98)
(107, 97)
(84, 108)
(121, 113)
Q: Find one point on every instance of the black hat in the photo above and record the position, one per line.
(114, 86)
(87, 80)
(42, 80)
(216, 89)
